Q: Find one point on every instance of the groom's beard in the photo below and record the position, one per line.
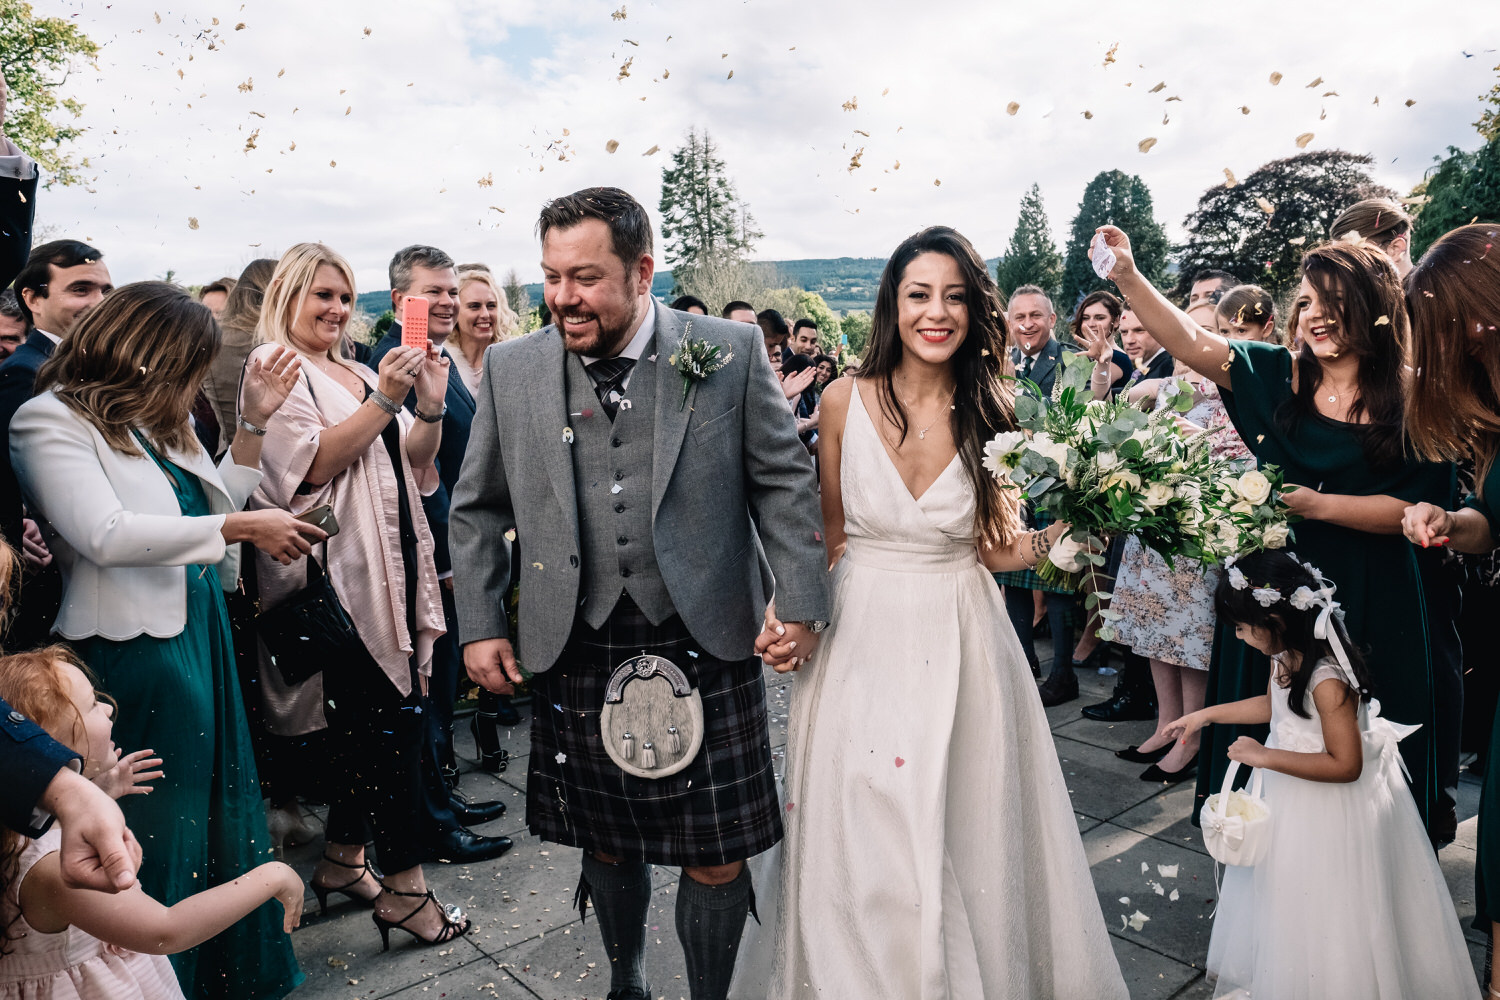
(607, 339)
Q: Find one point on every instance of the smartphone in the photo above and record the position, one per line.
(322, 517)
(414, 322)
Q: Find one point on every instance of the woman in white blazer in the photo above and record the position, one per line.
(142, 524)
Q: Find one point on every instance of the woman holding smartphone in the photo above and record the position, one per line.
(144, 527)
(342, 439)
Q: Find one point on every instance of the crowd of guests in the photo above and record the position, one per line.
(171, 467)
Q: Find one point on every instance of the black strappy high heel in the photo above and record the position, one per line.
(455, 924)
(322, 891)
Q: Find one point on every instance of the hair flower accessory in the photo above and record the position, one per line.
(1266, 596)
(696, 360)
(1237, 579)
(1303, 599)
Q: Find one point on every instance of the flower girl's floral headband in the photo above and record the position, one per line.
(1303, 599)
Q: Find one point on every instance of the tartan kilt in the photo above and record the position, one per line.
(1026, 579)
(720, 809)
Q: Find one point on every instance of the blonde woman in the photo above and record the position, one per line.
(484, 318)
(143, 524)
(343, 439)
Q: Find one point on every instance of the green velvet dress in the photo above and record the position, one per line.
(203, 823)
(1487, 856)
(1376, 575)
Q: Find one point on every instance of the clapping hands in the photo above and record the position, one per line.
(267, 383)
(129, 773)
(797, 382)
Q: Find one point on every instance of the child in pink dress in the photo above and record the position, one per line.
(63, 943)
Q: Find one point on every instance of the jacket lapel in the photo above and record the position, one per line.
(201, 464)
(1045, 362)
(548, 418)
(672, 416)
(457, 391)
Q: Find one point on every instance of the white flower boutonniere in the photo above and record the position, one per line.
(696, 360)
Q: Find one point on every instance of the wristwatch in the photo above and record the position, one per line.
(813, 626)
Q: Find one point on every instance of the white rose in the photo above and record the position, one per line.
(1057, 451)
(1229, 535)
(1142, 437)
(1253, 487)
(1107, 460)
(1275, 536)
(1242, 507)
(1158, 495)
(1190, 517)
(1188, 490)
(1123, 477)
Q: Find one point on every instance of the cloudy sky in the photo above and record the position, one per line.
(376, 124)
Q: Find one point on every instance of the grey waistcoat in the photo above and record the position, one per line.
(614, 527)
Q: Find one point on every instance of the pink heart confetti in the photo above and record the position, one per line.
(790, 806)
(899, 762)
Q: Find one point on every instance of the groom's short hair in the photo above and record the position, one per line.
(629, 225)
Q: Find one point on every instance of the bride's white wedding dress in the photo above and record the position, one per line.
(931, 847)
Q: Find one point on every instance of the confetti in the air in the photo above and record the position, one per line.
(1244, 109)
(192, 222)
(1297, 241)
(1229, 179)
(1409, 103)
(1088, 116)
(1012, 108)
(611, 146)
(625, 68)
(854, 163)
(1383, 321)
(619, 15)
(1109, 56)
(652, 151)
(488, 180)
(1159, 87)
(1314, 83)
(248, 85)
(900, 762)
(1275, 79)
(1304, 139)
(1145, 144)
(852, 104)
(1265, 205)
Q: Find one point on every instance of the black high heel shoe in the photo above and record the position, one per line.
(1154, 773)
(1094, 661)
(322, 891)
(492, 756)
(1136, 756)
(455, 924)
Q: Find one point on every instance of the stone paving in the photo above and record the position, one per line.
(528, 943)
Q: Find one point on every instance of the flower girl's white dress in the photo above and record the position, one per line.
(1349, 902)
(931, 850)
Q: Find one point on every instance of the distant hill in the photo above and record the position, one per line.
(847, 284)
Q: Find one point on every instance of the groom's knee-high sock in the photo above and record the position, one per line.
(622, 897)
(710, 922)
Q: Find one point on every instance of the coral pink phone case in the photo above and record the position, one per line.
(414, 322)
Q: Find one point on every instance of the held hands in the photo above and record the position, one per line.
(1114, 237)
(1426, 524)
(491, 664)
(126, 777)
(1247, 751)
(785, 646)
(98, 850)
(267, 384)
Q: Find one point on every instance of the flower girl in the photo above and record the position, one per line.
(62, 942)
(1348, 901)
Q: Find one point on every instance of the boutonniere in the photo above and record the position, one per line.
(696, 360)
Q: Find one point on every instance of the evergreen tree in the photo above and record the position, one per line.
(1117, 199)
(704, 223)
(1464, 187)
(1031, 257)
(1231, 229)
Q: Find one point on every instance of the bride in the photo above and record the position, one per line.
(931, 849)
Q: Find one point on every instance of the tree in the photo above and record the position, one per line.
(704, 223)
(810, 305)
(36, 56)
(1031, 258)
(1463, 187)
(856, 326)
(724, 279)
(1117, 199)
(517, 297)
(1257, 229)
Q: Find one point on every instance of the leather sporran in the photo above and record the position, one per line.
(309, 629)
(652, 723)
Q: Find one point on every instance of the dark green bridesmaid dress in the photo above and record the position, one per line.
(203, 823)
(1487, 856)
(1376, 575)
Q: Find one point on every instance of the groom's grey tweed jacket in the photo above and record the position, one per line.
(732, 494)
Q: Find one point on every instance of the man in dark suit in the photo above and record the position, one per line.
(61, 279)
(429, 272)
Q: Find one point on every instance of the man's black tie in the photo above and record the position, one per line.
(609, 376)
(1027, 365)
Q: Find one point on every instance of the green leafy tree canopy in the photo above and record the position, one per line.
(1031, 257)
(1258, 229)
(1464, 186)
(704, 222)
(856, 326)
(1117, 199)
(36, 56)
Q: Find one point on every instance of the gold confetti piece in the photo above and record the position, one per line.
(348, 110)
(1330, 93)
(609, 147)
(852, 104)
(937, 183)
(665, 73)
(248, 85)
(192, 222)
(1173, 98)
(488, 180)
(619, 15)
(860, 131)
(1314, 83)
(854, 163)
(1265, 205)
(1158, 87)
(216, 20)
(258, 114)
(652, 151)
(729, 77)
(158, 18)
(1145, 145)
(1409, 103)
(240, 26)
(333, 163)
(1012, 108)
(539, 565)
(1088, 116)
(292, 147)
(1165, 118)
(1304, 139)
(282, 73)
(873, 189)
(885, 91)
(723, 55)
(1297, 241)
(367, 32)
(510, 534)
(567, 131)
(1109, 56)
(179, 73)
(897, 166)
(1383, 321)
(250, 142)
(625, 68)
(1275, 79)
(1376, 102)
(343, 91)
(632, 41)
(1323, 114)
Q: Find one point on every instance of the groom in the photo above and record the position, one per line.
(653, 513)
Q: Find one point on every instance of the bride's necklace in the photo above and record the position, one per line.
(922, 434)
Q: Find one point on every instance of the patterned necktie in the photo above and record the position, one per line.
(609, 376)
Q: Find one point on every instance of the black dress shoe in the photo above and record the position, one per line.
(1057, 690)
(465, 847)
(1125, 706)
(1155, 773)
(1135, 756)
(474, 813)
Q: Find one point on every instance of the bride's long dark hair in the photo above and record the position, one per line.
(982, 404)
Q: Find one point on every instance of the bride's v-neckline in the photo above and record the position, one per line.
(890, 460)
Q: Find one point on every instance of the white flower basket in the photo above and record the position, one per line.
(1237, 824)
